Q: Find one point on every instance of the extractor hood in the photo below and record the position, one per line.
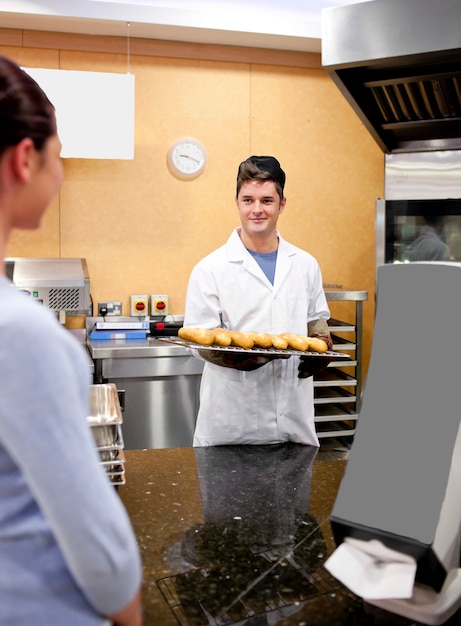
(398, 63)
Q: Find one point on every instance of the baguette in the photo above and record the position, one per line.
(297, 342)
(221, 337)
(317, 345)
(242, 340)
(262, 340)
(202, 336)
(279, 342)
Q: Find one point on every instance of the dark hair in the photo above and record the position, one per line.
(261, 168)
(25, 111)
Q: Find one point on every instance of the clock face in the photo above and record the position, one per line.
(187, 158)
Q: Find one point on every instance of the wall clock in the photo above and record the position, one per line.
(186, 158)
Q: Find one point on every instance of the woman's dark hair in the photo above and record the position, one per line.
(25, 111)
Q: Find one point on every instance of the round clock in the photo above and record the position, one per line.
(186, 158)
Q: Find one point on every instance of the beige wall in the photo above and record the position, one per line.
(141, 230)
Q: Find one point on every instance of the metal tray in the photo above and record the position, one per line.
(107, 435)
(114, 459)
(330, 354)
(116, 480)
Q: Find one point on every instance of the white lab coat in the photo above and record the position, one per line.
(271, 404)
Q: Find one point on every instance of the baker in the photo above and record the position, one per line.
(257, 282)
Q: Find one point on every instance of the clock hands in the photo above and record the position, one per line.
(187, 156)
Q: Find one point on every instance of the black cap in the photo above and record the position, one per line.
(270, 165)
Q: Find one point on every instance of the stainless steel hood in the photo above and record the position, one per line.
(398, 63)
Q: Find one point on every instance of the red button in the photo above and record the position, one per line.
(160, 306)
(140, 306)
(160, 326)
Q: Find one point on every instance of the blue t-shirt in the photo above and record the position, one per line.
(266, 262)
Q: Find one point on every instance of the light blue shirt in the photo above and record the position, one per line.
(68, 555)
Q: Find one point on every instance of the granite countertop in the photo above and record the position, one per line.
(238, 535)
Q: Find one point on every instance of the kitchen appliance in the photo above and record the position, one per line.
(62, 285)
(398, 63)
(402, 483)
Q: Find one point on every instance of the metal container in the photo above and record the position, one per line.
(104, 405)
(105, 419)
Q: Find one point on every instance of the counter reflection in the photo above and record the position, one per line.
(258, 556)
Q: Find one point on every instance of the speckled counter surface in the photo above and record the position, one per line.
(238, 535)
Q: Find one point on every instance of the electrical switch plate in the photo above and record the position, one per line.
(109, 308)
(139, 306)
(159, 304)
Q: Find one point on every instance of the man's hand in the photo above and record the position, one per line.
(311, 365)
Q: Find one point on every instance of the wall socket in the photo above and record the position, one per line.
(159, 304)
(139, 306)
(109, 308)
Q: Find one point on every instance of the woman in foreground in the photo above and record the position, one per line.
(68, 555)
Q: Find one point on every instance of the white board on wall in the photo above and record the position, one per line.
(94, 111)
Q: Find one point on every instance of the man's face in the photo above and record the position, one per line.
(259, 207)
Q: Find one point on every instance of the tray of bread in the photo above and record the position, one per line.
(286, 344)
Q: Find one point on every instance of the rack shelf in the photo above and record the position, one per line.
(338, 389)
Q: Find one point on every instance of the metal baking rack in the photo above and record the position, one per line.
(330, 354)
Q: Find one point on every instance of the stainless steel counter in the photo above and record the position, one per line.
(135, 348)
(159, 384)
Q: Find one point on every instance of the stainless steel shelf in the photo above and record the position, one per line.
(339, 343)
(337, 326)
(337, 393)
(336, 431)
(334, 377)
(334, 412)
(326, 395)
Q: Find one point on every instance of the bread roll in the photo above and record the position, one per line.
(242, 340)
(297, 342)
(202, 336)
(317, 345)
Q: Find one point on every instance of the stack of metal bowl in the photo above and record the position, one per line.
(105, 419)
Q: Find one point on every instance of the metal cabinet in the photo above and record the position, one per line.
(338, 389)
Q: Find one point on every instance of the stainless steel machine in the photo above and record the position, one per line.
(62, 285)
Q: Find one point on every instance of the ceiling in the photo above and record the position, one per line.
(277, 24)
